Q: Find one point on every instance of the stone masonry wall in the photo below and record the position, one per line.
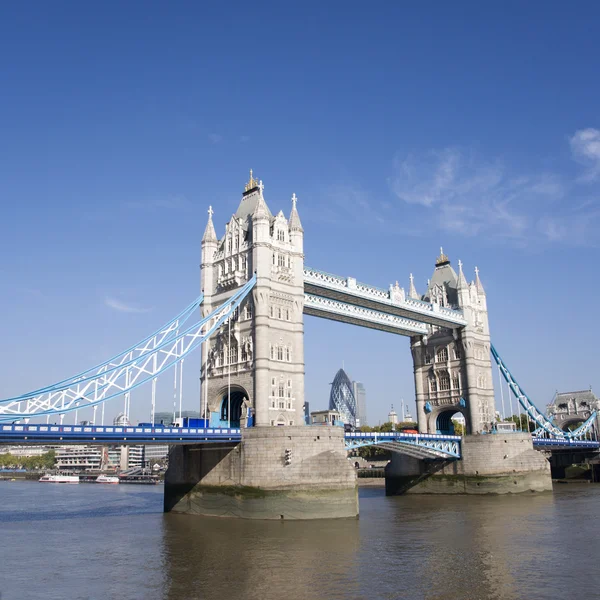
(490, 464)
(252, 479)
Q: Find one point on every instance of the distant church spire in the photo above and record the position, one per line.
(210, 235)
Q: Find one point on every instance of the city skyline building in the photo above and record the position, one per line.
(342, 398)
(360, 395)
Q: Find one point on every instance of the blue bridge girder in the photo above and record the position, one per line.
(418, 445)
(113, 434)
(564, 444)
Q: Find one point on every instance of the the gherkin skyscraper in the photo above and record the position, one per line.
(342, 398)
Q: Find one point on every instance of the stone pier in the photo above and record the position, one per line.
(274, 473)
(491, 464)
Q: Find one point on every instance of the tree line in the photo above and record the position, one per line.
(30, 463)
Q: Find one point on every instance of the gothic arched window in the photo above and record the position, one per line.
(455, 381)
(444, 382)
(279, 353)
(442, 354)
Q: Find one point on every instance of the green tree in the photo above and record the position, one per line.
(523, 423)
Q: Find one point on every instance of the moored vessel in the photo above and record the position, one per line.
(106, 479)
(59, 478)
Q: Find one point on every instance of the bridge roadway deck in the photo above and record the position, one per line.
(79, 434)
(566, 444)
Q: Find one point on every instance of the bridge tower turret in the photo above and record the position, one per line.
(261, 359)
(453, 371)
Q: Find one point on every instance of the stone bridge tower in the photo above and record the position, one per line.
(453, 369)
(259, 356)
(280, 469)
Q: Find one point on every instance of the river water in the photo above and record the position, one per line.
(103, 542)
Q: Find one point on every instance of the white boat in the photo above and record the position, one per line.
(106, 479)
(60, 478)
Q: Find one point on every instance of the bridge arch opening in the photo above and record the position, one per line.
(237, 403)
(572, 424)
(451, 422)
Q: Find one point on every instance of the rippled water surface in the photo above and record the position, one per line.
(104, 542)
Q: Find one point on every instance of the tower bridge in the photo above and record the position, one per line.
(252, 451)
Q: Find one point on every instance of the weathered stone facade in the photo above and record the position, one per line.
(262, 351)
(274, 473)
(490, 464)
(453, 369)
(568, 409)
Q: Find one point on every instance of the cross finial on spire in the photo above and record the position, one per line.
(294, 200)
(211, 212)
(460, 264)
(261, 186)
(411, 278)
(476, 272)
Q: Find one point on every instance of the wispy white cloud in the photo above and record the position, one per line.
(169, 203)
(585, 145)
(215, 138)
(352, 205)
(469, 196)
(120, 306)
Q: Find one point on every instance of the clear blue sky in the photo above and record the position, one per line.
(400, 127)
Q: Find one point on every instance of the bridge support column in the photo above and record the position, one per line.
(490, 464)
(274, 473)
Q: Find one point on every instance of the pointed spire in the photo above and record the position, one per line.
(412, 291)
(295, 224)
(210, 235)
(462, 280)
(478, 281)
(261, 211)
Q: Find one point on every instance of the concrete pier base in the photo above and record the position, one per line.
(253, 479)
(490, 464)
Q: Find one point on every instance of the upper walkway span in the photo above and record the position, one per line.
(345, 294)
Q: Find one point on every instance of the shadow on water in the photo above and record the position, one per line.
(226, 558)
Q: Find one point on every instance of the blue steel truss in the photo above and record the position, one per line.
(128, 370)
(534, 413)
(162, 335)
(418, 445)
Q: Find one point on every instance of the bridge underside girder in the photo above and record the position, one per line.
(422, 450)
(383, 305)
(335, 310)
